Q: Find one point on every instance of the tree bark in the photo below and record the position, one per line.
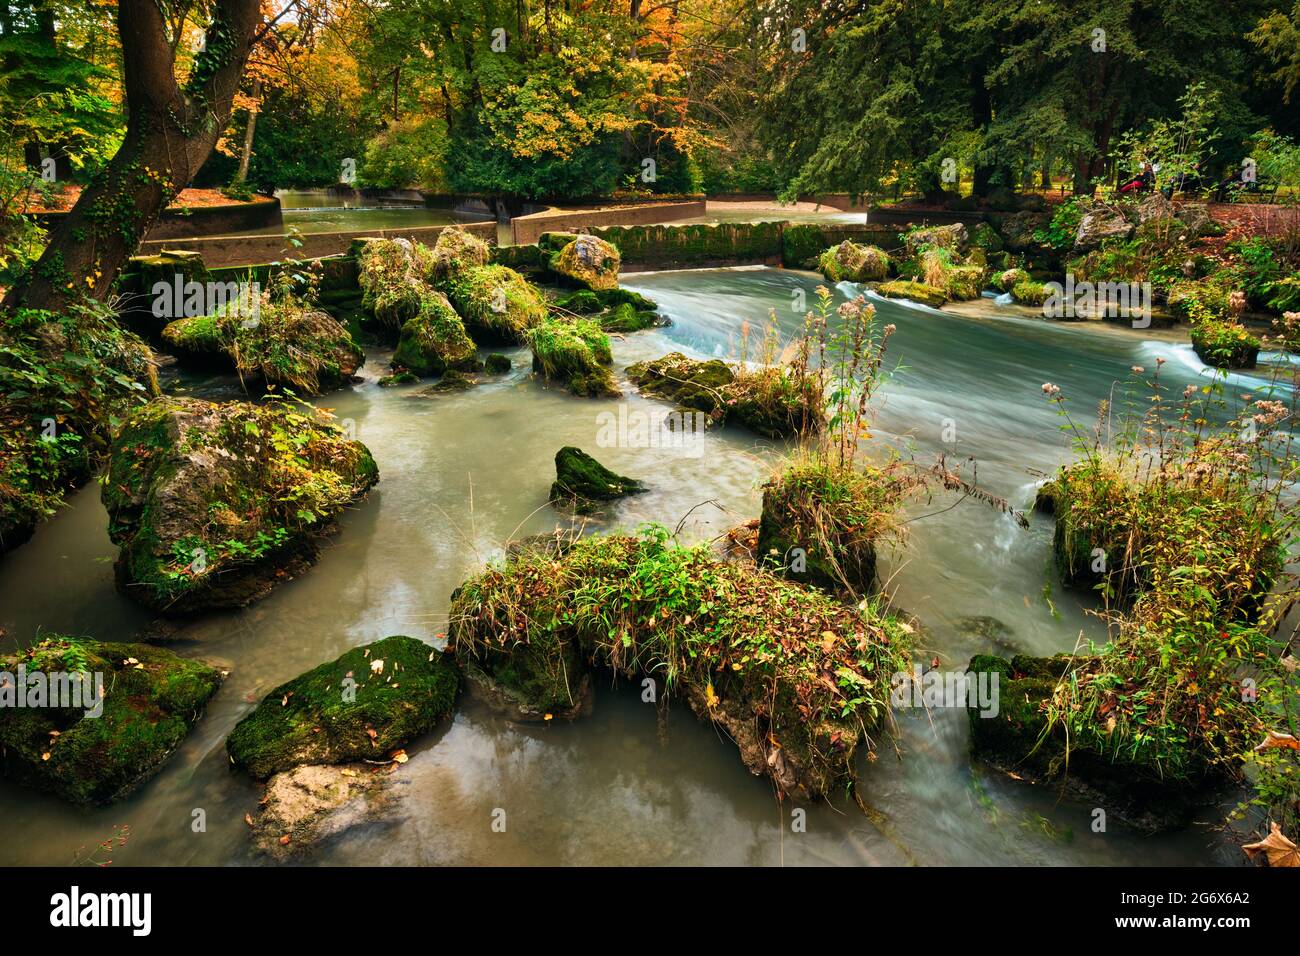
(241, 175)
(170, 133)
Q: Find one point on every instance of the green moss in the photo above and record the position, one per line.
(796, 678)
(434, 340)
(581, 302)
(152, 698)
(398, 378)
(963, 282)
(614, 298)
(1225, 344)
(391, 273)
(690, 384)
(197, 336)
(916, 291)
(1028, 292)
(625, 318)
(575, 352)
(497, 364)
(1008, 279)
(498, 305)
(455, 250)
(585, 482)
(371, 700)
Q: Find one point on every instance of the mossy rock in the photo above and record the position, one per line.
(986, 238)
(457, 249)
(1243, 355)
(587, 262)
(851, 262)
(576, 353)
(1008, 279)
(1030, 293)
(916, 291)
(497, 364)
(152, 698)
(613, 298)
(549, 242)
(212, 505)
(953, 237)
(392, 275)
(398, 378)
(624, 318)
(688, 383)
(452, 381)
(581, 302)
(540, 626)
(370, 701)
(582, 481)
(434, 340)
(197, 341)
(963, 282)
(1022, 741)
(499, 305)
(165, 268)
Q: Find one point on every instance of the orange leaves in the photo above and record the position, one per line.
(1275, 848)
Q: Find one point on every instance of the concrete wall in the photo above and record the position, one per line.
(221, 251)
(263, 213)
(527, 229)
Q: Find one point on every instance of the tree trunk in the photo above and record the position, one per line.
(241, 175)
(170, 133)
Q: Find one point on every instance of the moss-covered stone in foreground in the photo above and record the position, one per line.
(497, 304)
(916, 291)
(434, 340)
(797, 679)
(370, 701)
(213, 505)
(585, 482)
(575, 352)
(152, 698)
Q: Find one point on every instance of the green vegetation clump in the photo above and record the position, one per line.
(498, 305)
(851, 262)
(915, 291)
(962, 282)
(457, 249)
(212, 505)
(392, 274)
(151, 699)
(398, 378)
(587, 262)
(497, 364)
(371, 701)
(434, 340)
(625, 318)
(575, 352)
(65, 381)
(700, 386)
(585, 483)
(795, 678)
(1008, 279)
(1225, 344)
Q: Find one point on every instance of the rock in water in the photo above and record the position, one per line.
(308, 805)
(588, 262)
(434, 340)
(850, 262)
(497, 304)
(151, 699)
(373, 699)
(585, 482)
(212, 505)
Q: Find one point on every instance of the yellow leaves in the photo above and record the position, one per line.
(710, 697)
(1275, 848)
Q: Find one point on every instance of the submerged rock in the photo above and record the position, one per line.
(434, 340)
(151, 699)
(585, 482)
(851, 262)
(575, 352)
(212, 505)
(588, 262)
(497, 364)
(370, 701)
(309, 805)
(398, 378)
(793, 676)
(452, 381)
(498, 305)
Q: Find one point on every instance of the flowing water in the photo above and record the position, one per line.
(463, 473)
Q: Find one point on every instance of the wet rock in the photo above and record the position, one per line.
(587, 262)
(585, 483)
(953, 237)
(370, 701)
(915, 291)
(451, 382)
(398, 378)
(434, 340)
(212, 505)
(575, 352)
(624, 318)
(690, 384)
(987, 632)
(1008, 279)
(499, 306)
(1018, 230)
(497, 364)
(151, 699)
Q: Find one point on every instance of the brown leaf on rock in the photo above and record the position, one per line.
(1275, 848)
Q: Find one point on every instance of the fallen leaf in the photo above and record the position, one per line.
(1276, 848)
(1275, 739)
(248, 818)
(284, 840)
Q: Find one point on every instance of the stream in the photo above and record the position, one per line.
(463, 473)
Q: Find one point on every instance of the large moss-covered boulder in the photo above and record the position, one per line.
(370, 701)
(588, 262)
(1101, 222)
(498, 305)
(96, 753)
(585, 483)
(915, 291)
(434, 340)
(288, 344)
(1020, 230)
(575, 352)
(1225, 344)
(1008, 279)
(951, 237)
(1030, 293)
(794, 677)
(851, 262)
(212, 505)
(457, 249)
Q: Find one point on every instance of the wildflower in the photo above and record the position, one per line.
(1050, 389)
(1138, 370)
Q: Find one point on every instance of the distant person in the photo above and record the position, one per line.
(1188, 182)
(1234, 182)
(1141, 182)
